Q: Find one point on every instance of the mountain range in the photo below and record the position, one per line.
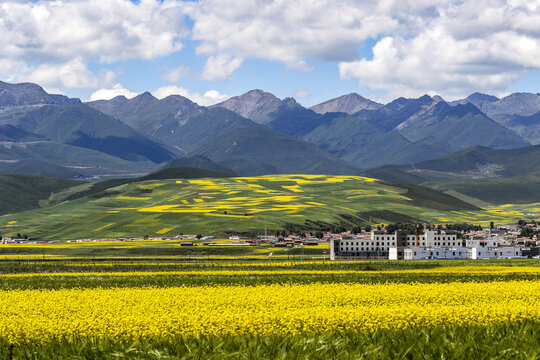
(402, 131)
(252, 134)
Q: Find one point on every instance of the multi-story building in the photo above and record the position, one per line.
(429, 245)
(431, 253)
(378, 244)
(479, 243)
(490, 253)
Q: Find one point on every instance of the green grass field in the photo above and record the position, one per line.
(240, 205)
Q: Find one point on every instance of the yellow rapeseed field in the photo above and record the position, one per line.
(119, 313)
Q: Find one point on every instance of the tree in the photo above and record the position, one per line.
(491, 225)
(19, 235)
(368, 228)
(319, 234)
(527, 232)
(199, 236)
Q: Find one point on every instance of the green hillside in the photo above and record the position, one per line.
(199, 162)
(521, 189)
(20, 192)
(168, 173)
(472, 163)
(47, 158)
(240, 205)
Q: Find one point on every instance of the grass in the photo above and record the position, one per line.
(520, 189)
(23, 192)
(241, 205)
(509, 341)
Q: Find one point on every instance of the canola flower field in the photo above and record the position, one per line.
(163, 308)
(241, 205)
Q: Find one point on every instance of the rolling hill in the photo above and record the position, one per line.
(48, 158)
(197, 161)
(473, 163)
(494, 176)
(236, 205)
(522, 189)
(19, 192)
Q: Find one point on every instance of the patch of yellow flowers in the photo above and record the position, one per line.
(123, 313)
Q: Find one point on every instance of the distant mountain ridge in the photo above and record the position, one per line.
(255, 105)
(251, 134)
(222, 136)
(30, 94)
(399, 132)
(523, 104)
(349, 104)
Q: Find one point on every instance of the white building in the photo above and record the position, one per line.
(379, 244)
(494, 253)
(477, 243)
(417, 253)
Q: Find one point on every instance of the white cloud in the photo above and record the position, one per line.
(471, 46)
(220, 67)
(210, 97)
(288, 31)
(107, 94)
(51, 42)
(104, 29)
(424, 46)
(176, 73)
(301, 94)
(72, 74)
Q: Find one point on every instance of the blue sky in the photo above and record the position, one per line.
(208, 50)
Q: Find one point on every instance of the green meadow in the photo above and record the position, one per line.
(243, 205)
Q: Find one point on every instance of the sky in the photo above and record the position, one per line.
(312, 50)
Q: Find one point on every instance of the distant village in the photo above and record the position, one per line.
(506, 241)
